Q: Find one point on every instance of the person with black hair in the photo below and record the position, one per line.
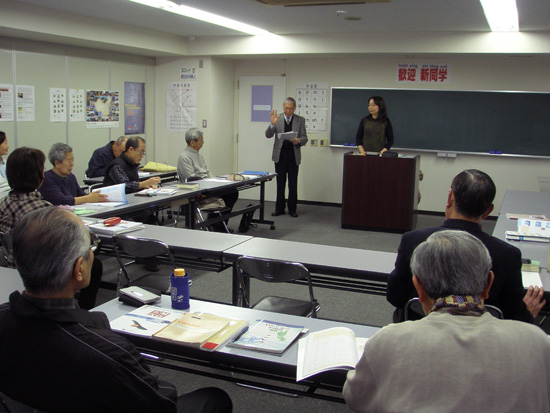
(375, 131)
(470, 200)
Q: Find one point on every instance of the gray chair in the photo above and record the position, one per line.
(275, 271)
(6, 246)
(145, 250)
(214, 211)
(414, 311)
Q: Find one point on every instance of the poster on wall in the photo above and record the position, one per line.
(311, 103)
(6, 103)
(102, 109)
(25, 103)
(58, 104)
(77, 105)
(261, 103)
(181, 106)
(134, 108)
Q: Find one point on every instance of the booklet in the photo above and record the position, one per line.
(201, 330)
(145, 320)
(534, 227)
(269, 337)
(121, 228)
(157, 191)
(330, 349)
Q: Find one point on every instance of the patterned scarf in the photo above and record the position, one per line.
(459, 304)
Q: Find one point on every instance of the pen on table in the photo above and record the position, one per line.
(238, 336)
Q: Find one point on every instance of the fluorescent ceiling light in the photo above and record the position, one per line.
(203, 16)
(502, 15)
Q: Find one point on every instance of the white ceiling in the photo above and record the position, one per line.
(396, 16)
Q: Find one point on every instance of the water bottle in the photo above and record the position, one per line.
(179, 289)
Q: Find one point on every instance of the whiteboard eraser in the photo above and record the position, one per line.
(451, 155)
(441, 154)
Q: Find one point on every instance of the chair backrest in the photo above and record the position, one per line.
(272, 271)
(495, 311)
(140, 248)
(6, 244)
(413, 309)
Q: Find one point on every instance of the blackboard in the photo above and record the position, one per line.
(462, 121)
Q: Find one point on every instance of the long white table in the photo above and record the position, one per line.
(344, 268)
(207, 187)
(525, 202)
(10, 280)
(255, 366)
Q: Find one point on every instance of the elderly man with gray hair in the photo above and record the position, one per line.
(191, 164)
(57, 357)
(459, 357)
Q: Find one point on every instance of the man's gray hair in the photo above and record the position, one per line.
(290, 100)
(58, 151)
(193, 134)
(451, 263)
(121, 140)
(46, 245)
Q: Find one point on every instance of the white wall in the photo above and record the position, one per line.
(45, 66)
(215, 104)
(320, 177)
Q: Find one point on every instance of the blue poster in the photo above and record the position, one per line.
(134, 108)
(262, 103)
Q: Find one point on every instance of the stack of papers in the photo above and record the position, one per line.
(121, 228)
(531, 230)
(116, 196)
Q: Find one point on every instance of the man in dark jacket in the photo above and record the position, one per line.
(470, 201)
(124, 169)
(57, 357)
(102, 157)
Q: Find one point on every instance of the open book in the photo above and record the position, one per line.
(269, 337)
(330, 349)
(205, 331)
(145, 320)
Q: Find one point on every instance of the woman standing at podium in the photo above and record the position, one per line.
(375, 132)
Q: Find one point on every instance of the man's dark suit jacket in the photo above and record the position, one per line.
(507, 291)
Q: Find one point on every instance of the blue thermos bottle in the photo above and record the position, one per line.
(179, 289)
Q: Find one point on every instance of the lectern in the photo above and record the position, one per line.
(380, 193)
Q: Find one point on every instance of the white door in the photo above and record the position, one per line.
(253, 148)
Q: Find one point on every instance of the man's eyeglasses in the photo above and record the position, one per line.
(94, 242)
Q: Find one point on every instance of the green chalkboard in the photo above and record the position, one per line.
(486, 122)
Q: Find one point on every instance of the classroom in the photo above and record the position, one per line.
(75, 46)
(78, 52)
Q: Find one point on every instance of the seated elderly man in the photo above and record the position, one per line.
(192, 164)
(459, 357)
(57, 357)
(102, 157)
(124, 169)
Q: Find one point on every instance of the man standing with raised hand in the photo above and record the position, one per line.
(287, 155)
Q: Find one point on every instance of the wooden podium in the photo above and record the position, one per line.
(380, 193)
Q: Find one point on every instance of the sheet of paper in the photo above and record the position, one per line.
(531, 278)
(115, 193)
(288, 135)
